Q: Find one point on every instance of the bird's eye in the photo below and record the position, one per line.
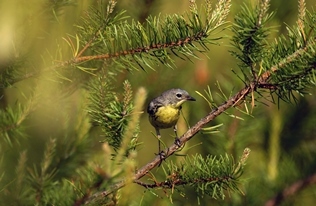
(179, 95)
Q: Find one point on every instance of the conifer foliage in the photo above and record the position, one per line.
(72, 134)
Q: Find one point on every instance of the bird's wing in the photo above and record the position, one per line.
(153, 106)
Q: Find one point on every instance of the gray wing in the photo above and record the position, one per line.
(153, 106)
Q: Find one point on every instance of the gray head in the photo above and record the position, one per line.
(176, 97)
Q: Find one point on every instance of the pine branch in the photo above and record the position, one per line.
(285, 67)
(109, 11)
(134, 45)
(11, 119)
(231, 102)
(111, 112)
(178, 182)
(239, 96)
(296, 70)
(211, 175)
(41, 178)
(293, 70)
(287, 60)
(250, 38)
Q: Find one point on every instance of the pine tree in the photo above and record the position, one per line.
(71, 119)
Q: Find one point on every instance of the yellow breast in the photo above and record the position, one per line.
(165, 117)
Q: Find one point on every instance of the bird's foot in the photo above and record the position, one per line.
(177, 142)
(162, 156)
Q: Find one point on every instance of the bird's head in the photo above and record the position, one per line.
(176, 97)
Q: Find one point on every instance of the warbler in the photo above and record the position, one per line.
(164, 110)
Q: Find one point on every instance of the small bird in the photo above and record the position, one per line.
(164, 110)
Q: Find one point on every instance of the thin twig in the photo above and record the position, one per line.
(290, 58)
(134, 51)
(169, 184)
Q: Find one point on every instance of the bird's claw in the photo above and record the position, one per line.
(162, 156)
(177, 142)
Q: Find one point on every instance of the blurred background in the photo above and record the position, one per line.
(281, 136)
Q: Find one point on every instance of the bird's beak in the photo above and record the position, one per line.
(189, 98)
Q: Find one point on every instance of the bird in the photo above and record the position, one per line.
(164, 111)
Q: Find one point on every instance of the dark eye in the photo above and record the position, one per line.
(179, 95)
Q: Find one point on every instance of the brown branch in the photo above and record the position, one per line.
(291, 190)
(176, 181)
(144, 49)
(265, 76)
(261, 83)
(289, 79)
(80, 59)
(182, 140)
